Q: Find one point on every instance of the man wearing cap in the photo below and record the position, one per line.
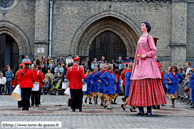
(75, 74)
(127, 60)
(27, 79)
(17, 82)
(191, 85)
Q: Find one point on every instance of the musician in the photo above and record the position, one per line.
(38, 78)
(17, 82)
(26, 78)
(75, 74)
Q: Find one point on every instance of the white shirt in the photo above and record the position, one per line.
(69, 61)
(187, 71)
(3, 80)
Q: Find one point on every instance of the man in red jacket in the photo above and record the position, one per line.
(26, 78)
(17, 82)
(75, 74)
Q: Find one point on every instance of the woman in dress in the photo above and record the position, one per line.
(173, 88)
(146, 87)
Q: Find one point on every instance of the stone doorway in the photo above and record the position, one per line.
(9, 52)
(107, 44)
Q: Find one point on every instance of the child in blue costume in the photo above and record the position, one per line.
(117, 90)
(173, 88)
(88, 80)
(109, 79)
(94, 87)
(127, 86)
(191, 85)
(96, 77)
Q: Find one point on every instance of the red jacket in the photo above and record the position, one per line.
(123, 76)
(75, 77)
(16, 81)
(39, 77)
(162, 74)
(27, 80)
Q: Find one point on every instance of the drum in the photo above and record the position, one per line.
(16, 94)
(36, 86)
(68, 93)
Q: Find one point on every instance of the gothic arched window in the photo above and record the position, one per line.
(6, 3)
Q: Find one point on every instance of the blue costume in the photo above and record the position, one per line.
(118, 88)
(94, 87)
(174, 86)
(96, 77)
(127, 83)
(106, 77)
(191, 85)
(89, 84)
(165, 82)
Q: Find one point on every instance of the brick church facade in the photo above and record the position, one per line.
(94, 28)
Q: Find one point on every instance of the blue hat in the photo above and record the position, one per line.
(193, 66)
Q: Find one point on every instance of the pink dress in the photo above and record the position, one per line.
(146, 87)
(145, 68)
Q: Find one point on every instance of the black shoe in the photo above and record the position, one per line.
(140, 114)
(91, 103)
(32, 105)
(105, 106)
(27, 109)
(101, 104)
(154, 107)
(172, 106)
(158, 107)
(109, 108)
(23, 109)
(80, 110)
(123, 107)
(192, 107)
(148, 114)
(73, 110)
(132, 110)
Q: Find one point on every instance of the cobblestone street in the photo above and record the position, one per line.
(54, 108)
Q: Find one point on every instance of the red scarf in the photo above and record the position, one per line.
(174, 75)
(117, 76)
(110, 72)
(102, 71)
(94, 73)
(129, 70)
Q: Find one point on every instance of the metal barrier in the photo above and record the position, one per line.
(182, 97)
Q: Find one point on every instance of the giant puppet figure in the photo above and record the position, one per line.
(146, 87)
